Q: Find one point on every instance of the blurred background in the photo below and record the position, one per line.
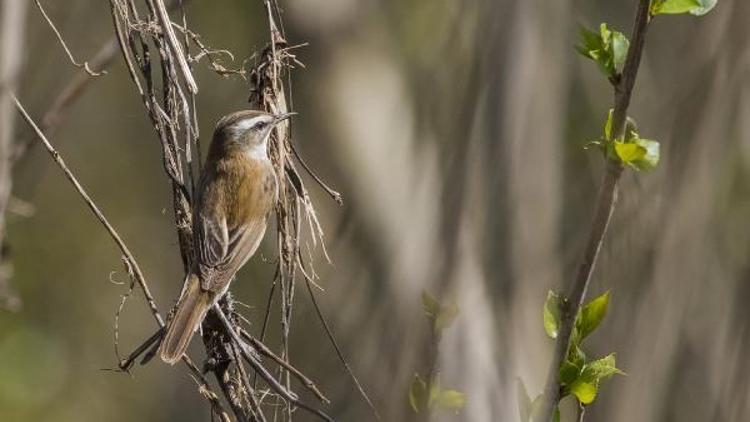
(454, 130)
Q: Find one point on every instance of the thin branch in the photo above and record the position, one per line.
(335, 195)
(84, 65)
(604, 208)
(256, 411)
(128, 256)
(252, 359)
(73, 90)
(265, 351)
(581, 412)
(127, 363)
(174, 44)
(340, 354)
(230, 391)
(206, 390)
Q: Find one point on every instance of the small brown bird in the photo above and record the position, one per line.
(237, 191)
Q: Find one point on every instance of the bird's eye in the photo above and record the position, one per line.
(261, 125)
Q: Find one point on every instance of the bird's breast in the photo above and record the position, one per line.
(245, 189)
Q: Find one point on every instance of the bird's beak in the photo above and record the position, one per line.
(282, 117)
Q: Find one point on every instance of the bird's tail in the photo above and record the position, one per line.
(191, 309)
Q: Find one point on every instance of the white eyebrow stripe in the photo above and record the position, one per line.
(245, 124)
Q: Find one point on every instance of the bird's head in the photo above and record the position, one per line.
(248, 128)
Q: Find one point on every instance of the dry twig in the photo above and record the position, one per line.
(84, 65)
(127, 255)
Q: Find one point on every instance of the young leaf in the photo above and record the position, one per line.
(600, 369)
(651, 158)
(453, 400)
(430, 305)
(524, 401)
(629, 152)
(446, 316)
(585, 392)
(418, 394)
(706, 6)
(607, 48)
(592, 315)
(434, 392)
(551, 314)
(672, 7)
(576, 355)
(441, 315)
(569, 372)
(591, 45)
(620, 45)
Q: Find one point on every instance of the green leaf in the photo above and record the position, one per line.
(590, 43)
(576, 355)
(450, 400)
(524, 401)
(551, 314)
(423, 396)
(430, 305)
(638, 153)
(629, 152)
(585, 392)
(569, 372)
(592, 314)
(694, 7)
(651, 158)
(672, 7)
(620, 45)
(418, 393)
(434, 392)
(600, 369)
(445, 318)
(442, 316)
(606, 47)
(586, 385)
(706, 6)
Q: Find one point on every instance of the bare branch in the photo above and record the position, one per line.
(128, 256)
(84, 65)
(206, 390)
(174, 44)
(340, 354)
(252, 359)
(265, 351)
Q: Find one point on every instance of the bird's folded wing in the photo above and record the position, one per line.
(223, 250)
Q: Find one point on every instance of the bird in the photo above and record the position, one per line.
(236, 193)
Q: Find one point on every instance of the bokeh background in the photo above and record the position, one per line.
(454, 130)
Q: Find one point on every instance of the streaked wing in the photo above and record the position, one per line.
(236, 247)
(246, 240)
(212, 240)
